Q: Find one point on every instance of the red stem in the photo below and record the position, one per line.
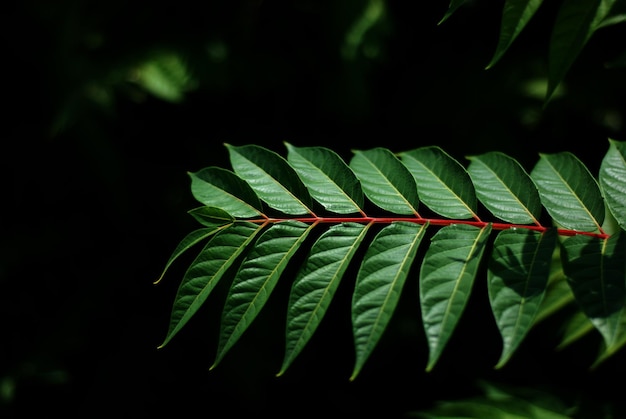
(432, 221)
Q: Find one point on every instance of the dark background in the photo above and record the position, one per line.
(97, 191)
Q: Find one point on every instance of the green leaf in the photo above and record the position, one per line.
(558, 292)
(574, 328)
(569, 192)
(446, 279)
(271, 177)
(380, 279)
(221, 188)
(596, 269)
(504, 188)
(517, 278)
(211, 216)
(612, 180)
(515, 15)
(385, 180)
(256, 279)
(328, 178)
(443, 184)
(187, 243)
(576, 22)
(454, 5)
(316, 283)
(206, 271)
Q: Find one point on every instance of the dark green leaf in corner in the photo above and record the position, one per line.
(316, 283)
(271, 177)
(518, 273)
(206, 270)
(446, 279)
(256, 279)
(380, 279)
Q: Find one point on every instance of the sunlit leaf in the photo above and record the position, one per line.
(206, 271)
(385, 180)
(612, 180)
(271, 177)
(569, 192)
(518, 273)
(211, 216)
(187, 243)
(316, 283)
(442, 183)
(446, 279)
(380, 279)
(256, 279)
(504, 188)
(221, 188)
(328, 178)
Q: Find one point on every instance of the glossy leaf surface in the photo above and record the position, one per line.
(256, 279)
(611, 178)
(221, 188)
(446, 279)
(385, 180)
(442, 183)
(382, 274)
(316, 283)
(504, 188)
(206, 270)
(271, 177)
(569, 192)
(328, 178)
